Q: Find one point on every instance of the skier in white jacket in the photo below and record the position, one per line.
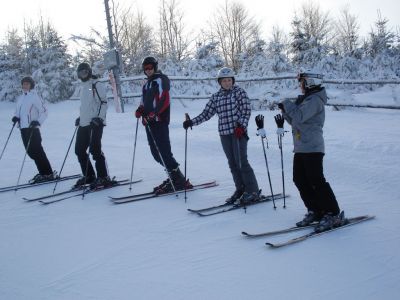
(30, 114)
(91, 121)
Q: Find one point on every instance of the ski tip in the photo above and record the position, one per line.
(245, 233)
(270, 245)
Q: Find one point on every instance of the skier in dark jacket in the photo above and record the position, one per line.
(232, 105)
(154, 109)
(307, 116)
(30, 114)
(91, 121)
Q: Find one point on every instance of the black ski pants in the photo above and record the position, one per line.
(33, 145)
(90, 137)
(309, 179)
(158, 132)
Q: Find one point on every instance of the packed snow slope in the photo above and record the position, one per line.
(155, 249)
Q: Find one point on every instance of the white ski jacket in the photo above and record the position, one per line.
(30, 107)
(93, 104)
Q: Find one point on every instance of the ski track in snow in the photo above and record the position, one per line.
(155, 249)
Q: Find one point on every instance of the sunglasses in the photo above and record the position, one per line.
(148, 68)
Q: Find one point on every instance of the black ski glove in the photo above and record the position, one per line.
(77, 121)
(34, 124)
(281, 107)
(15, 119)
(187, 124)
(259, 121)
(279, 120)
(96, 122)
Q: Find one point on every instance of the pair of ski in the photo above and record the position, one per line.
(150, 195)
(350, 222)
(74, 192)
(28, 185)
(225, 207)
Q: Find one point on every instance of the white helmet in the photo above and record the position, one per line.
(311, 78)
(226, 73)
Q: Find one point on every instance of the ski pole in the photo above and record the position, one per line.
(23, 161)
(283, 174)
(65, 158)
(134, 153)
(239, 156)
(87, 162)
(161, 158)
(187, 118)
(5, 145)
(269, 176)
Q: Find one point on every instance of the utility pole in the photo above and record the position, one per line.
(115, 65)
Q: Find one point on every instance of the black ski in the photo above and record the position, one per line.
(89, 191)
(219, 209)
(71, 190)
(28, 185)
(351, 221)
(276, 232)
(149, 195)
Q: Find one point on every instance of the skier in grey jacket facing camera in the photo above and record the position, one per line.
(91, 121)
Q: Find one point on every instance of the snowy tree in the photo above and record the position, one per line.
(48, 62)
(173, 42)
(277, 48)
(235, 31)
(136, 41)
(311, 34)
(346, 33)
(381, 39)
(11, 66)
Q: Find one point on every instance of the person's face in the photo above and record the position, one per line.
(302, 85)
(83, 75)
(226, 83)
(26, 86)
(148, 70)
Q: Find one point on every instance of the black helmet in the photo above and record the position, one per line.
(150, 60)
(30, 80)
(84, 71)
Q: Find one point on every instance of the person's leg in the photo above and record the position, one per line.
(228, 145)
(81, 146)
(246, 171)
(302, 178)
(33, 144)
(97, 153)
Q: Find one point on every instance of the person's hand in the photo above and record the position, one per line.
(239, 131)
(77, 121)
(139, 112)
(187, 124)
(15, 119)
(279, 120)
(96, 122)
(150, 118)
(259, 121)
(281, 107)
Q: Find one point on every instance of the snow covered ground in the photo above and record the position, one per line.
(155, 249)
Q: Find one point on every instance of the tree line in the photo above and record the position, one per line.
(231, 37)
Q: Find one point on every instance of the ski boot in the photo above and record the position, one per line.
(309, 218)
(81, 182)
(102, 182)
(330, 221)
(43, 178)
(248, 198)
(160, 186)
(235, 196)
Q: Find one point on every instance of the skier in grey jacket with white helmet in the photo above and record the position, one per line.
(307, 116)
